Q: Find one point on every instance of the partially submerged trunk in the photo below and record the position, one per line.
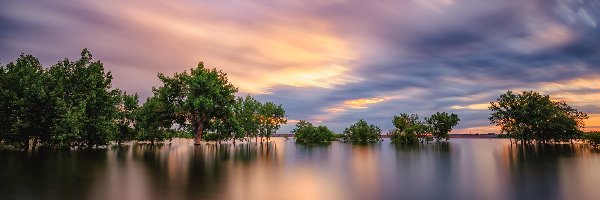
(198, 134)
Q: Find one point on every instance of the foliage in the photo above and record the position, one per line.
(403, 137)
(592, 138)
(73, 105)
(246, 111)
(530, 116)
(153, 121)
(362, 132)
(270, 118)
(70, 105)
(404, 121)
(409, 130)
(127, 107)
(26, 104)
(197, 98)
(86, 103)
(440, 124)
(306, 133)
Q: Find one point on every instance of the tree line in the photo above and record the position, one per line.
(72, 104)
(408, 130)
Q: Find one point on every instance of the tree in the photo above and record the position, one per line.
(306, 133)
(85, 101)
(153, 120)
(197, 98)
(404, 121)
(441, 124)
(408, 129)
(530, 116)
(246, 111)
(270, 118)
(26, 104)
(127, 107)
(362, 132)
(592, 138)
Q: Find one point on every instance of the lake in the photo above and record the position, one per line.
(460, 169)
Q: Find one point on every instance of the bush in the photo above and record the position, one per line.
(306, 133)
(592, 138)
(403, 138)
(362, 132)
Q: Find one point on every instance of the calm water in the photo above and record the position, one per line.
(461, 169)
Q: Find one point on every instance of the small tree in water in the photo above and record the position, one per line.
(306, 133)
(362, 132)
(440, 124)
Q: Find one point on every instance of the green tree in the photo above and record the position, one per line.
(440, 124)
(127, 107)
(592, 138)
(224, 129)
(402, 122)
(530, 116)
(86, 103)
(197, 98)
(408, 129)
(26, 104)
(306, 133)
(246, 111)
(153, 121)
(362, 132)
(270, 118)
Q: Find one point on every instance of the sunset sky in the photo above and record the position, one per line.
(333, 62)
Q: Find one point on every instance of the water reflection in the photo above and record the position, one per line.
(281, 169)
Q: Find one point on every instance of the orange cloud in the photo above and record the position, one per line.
(259, 57)
(357, 104)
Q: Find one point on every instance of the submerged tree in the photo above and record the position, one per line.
(153, 121)
(530, 116)
(362, 132)
(27, 106)
(197, 98)
(440, 124)
(246, 111)
(127, 107)
(271, 117)
(592, 138)
(306, 133)
(408, 129)
(87, 104)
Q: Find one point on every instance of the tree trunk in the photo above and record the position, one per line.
(198, 136)
(26, 144)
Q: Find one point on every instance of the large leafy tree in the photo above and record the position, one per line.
(440, 124)
(86, 103)
(26, 104)
(197, 98)
(271, 117)
(530, 116)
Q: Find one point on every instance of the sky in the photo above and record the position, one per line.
(333, 62)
